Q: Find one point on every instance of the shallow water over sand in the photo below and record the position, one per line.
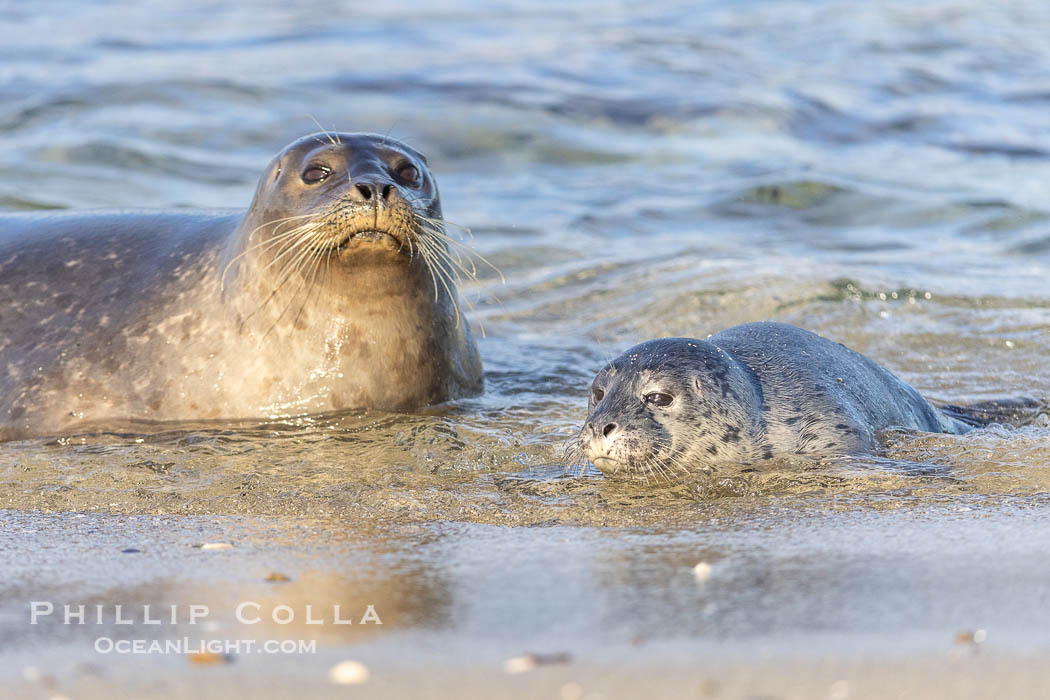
(878, 174)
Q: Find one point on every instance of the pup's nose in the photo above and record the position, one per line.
(600, 429)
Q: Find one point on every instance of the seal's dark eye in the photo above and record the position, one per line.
(658, 399)
(314, 174)
(598, 395)
(408, 173)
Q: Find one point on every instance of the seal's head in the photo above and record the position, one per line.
(670, 404)
(344, 258)
(342, 202)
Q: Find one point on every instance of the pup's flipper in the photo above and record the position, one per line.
(1017, 412)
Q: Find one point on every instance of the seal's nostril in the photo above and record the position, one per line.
(387, 191)
(364, 190)
(608, 429)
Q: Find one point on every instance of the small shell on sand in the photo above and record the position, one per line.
(275, 577)
(971, 637)
(348, 673)
(527, 662)
(571, 691)
(214, 546)
(207, 658)
(520, 664)
(702, 571)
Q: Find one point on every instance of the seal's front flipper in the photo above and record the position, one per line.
(1017, 412)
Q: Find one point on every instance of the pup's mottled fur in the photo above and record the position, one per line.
(752, 392)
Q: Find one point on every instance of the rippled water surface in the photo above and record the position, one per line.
(876, 172)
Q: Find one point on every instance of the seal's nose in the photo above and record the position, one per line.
(609, 429)
(371, 191)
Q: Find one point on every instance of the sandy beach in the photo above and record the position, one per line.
(798, 602)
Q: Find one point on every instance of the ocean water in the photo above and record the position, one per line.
(876, 172)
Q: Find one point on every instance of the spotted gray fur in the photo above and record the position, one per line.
(191, 315)
(752, 392)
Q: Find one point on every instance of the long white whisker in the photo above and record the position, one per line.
(333, 141)
(264, 245)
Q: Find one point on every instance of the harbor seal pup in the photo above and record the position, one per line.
(752, 392)
(334, 290)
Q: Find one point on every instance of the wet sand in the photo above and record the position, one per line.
(861, 599)
(929, 677)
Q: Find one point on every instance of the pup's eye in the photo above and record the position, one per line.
(598, 395)
(408, 173)
(315, 174)
(658, 399)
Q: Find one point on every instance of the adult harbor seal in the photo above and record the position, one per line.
(752, 392)
(335, 289)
